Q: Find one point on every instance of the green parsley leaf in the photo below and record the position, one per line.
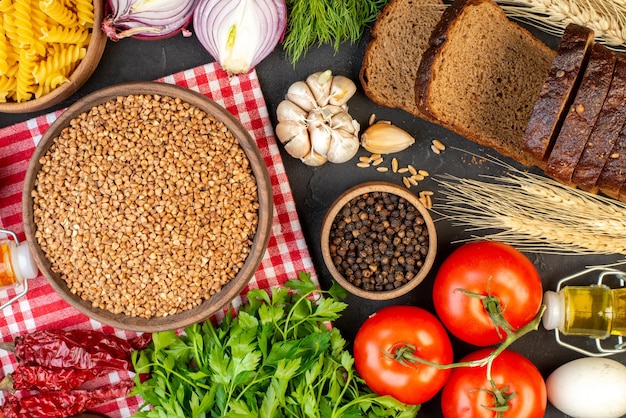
(277, 356)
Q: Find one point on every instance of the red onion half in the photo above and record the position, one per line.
(146, 19)
(240, 33)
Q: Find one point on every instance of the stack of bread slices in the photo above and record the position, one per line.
(468, 68)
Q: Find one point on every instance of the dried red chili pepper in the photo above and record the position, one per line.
(27, 377)
(80, 349)
(60, 404)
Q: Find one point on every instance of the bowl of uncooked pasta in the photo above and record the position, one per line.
(52, 48)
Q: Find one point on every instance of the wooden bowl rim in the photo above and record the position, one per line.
(79, 76)
(260, 242)
(346, 197)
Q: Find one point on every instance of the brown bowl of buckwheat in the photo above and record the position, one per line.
(378, 241)
(147, 206)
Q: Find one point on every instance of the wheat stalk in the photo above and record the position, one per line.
(534, 213)
(607, 18)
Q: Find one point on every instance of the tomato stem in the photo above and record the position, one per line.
(501, 399)
(511, 338)
(405, 353)
(494, 309)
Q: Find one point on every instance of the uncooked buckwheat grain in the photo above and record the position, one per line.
(145, 205)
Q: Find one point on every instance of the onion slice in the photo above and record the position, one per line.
(147, 19)
(240, 33)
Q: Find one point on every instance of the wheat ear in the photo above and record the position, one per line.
(607, 18)
(534, 213)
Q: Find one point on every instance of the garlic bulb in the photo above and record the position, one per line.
(313, 121)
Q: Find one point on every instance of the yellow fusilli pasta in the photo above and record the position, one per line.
(22, 22)
(10, 30)
(54, 49)
(7, 84)
(26, 38)
(84, 10)
(6, 6)
(63, 35)
(13, 67)
(41, 43)
(57, 11)
(61, 63)
(50, 83)
(4, 50)
(41, 20)
(25, 79)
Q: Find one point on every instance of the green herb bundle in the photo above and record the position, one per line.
(311, 22)
(277, 357)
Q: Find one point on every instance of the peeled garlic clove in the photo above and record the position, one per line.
(286, 130)
(320, 83)
(384, 138)
(345, 122)
(343, 146)
(299, 146)
(300, 94)
(319, 135)
(341, 90)
(288, 110)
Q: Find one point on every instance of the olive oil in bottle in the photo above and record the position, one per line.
(596, 311)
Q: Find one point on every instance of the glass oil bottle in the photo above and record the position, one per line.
(17, 265)
(596, 311)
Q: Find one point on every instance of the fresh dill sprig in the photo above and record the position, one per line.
(332, 22)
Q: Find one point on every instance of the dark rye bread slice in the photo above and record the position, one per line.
(581, 115)
(613, 174)
(600, 144)
(622, 191)
(481, 76)
(397, 41)
(558, 90)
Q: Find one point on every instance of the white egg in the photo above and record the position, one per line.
(590, 387)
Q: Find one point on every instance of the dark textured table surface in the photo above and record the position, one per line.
(315, 189)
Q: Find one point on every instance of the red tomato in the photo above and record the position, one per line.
(468, 393)
(486, 268)
(388, 330)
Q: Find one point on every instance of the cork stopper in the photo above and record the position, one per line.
(554, 315)
(23, 262)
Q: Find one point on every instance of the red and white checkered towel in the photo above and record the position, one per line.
(42, 308)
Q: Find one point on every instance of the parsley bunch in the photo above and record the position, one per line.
(311, 22)
(277, 357)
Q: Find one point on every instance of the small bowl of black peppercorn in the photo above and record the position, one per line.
(378, 241)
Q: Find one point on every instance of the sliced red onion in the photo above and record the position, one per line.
(147, 19)
(240, 33)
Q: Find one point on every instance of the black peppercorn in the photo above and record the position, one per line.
(386, 238)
